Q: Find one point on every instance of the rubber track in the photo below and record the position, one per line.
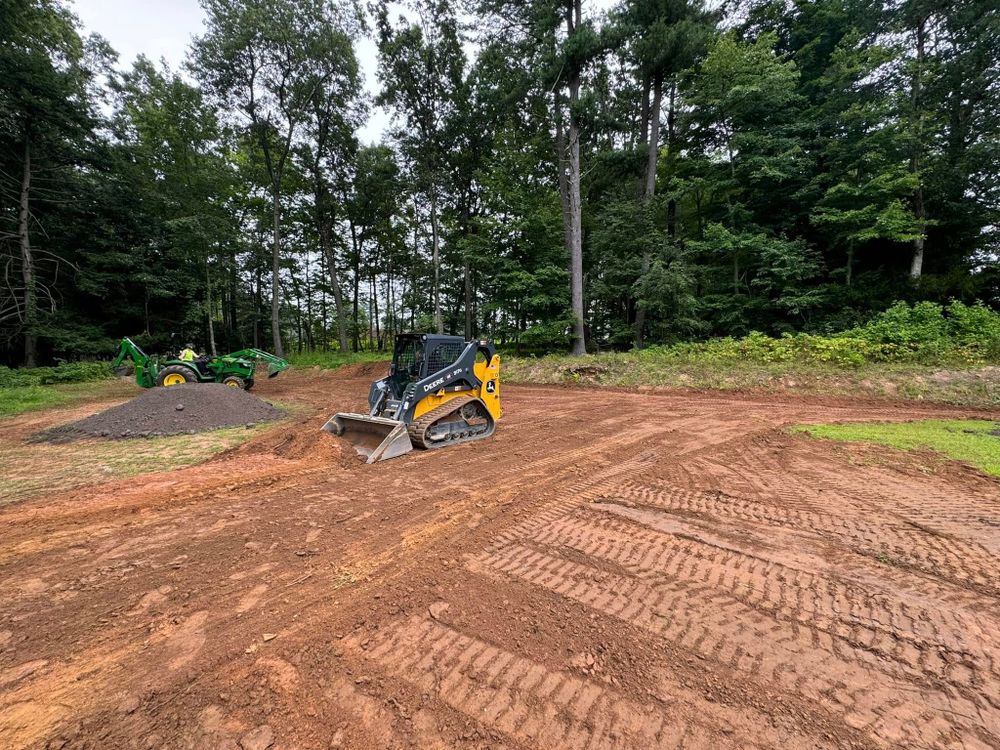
(418, 430)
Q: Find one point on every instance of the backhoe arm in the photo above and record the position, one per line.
(129, 349)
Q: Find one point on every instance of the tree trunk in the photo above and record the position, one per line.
(298, 317)
(323, 223)
(413, 268)
(671, 157)
(208, 310)
(468, 302)
(435, 241)
(575, 219)
(649, 189)
(324, 320)
(390, 304)
(644, 112)
(563, 182)
(375, 314)
(917, 262)
(357, 284)
(573, 21)
(850, 261)
(310, 345)
(234, 323)
(276, 277)
(653, 150)
(338, 295)
(28, 262)
(643, 127)
(256, 309)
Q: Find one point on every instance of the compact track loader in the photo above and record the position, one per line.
(440, 391)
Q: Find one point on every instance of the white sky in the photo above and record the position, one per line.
(164, 29)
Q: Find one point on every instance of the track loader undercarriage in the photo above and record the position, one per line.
(440, 391)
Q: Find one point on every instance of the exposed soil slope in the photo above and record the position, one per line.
(610, 570)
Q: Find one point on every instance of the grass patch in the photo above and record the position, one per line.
(333, 360)
(33, 397)
(27, 398)
(973, 386)
(973, 441)
(28, 469)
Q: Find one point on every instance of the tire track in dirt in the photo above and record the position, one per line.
(546, 707)
(729, 633)
(965, 563)
(921, 641)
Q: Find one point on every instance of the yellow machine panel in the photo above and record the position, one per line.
(489, 394)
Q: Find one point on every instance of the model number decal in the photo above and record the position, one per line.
(440, 381)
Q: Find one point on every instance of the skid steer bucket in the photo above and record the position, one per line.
(374, 438)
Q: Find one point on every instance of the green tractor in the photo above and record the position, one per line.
(235, 370)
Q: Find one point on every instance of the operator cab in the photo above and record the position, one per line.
(417, 355)
(407, 362)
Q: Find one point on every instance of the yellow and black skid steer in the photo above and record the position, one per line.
(440, 391)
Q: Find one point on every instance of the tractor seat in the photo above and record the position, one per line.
(201, 364)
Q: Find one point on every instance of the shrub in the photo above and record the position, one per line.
(924, 332)
(976, 328)
(67, 372)
(929, 332)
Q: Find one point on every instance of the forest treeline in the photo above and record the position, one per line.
(557, 178)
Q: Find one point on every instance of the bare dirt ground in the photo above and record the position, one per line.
(611, 570)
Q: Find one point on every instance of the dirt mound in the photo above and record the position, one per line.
(302, 439)
(364, 370)
(171, 411)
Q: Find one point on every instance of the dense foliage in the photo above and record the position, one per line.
(65, 372)
(924, 333)
(670, 171)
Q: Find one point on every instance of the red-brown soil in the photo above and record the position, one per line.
(610, 570)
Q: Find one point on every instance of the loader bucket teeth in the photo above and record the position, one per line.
(374, 438)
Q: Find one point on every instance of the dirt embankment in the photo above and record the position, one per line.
(172, 411)
(611, 570)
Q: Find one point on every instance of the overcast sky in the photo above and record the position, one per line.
(164, 29)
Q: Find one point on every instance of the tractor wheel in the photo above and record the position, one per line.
(234, 382)
(248, 385)
(176, 375)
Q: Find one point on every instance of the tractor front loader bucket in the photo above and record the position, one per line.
(374, 438)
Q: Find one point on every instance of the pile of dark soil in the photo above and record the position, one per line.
(172, 411)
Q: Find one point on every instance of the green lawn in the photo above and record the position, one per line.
(975, 442)
(30, 397)
(333, 360)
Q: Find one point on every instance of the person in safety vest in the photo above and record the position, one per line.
(188, 354)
